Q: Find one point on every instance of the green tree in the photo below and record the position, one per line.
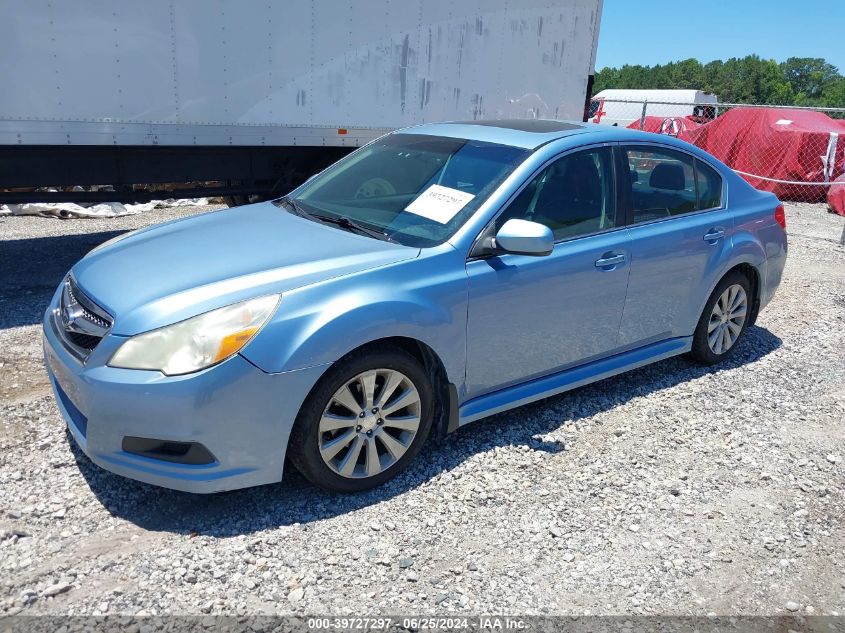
(750, 79)
(834, 95)
(809, 75)
(688, 74)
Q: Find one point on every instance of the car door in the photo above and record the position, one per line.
(530, 316)
(679, 231)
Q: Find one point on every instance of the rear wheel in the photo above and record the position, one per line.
(723, 321)
(364, 422)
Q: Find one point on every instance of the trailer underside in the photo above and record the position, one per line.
(136, 173)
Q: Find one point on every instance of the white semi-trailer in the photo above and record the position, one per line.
(257, 96)
(622, 106)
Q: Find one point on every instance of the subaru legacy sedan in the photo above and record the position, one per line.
(438, 275)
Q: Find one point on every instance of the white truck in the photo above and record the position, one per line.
(257, 96)
(621, 106)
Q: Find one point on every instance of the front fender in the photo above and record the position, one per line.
(423, 299)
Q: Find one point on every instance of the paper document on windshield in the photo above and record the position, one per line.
(439, 203)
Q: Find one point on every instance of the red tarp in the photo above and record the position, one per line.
(673, 125)
(774, 144)
(836, 196)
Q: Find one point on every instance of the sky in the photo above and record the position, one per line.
(652, 32)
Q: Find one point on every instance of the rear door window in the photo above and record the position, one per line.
(662, 181)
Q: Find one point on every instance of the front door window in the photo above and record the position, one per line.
(573, 196)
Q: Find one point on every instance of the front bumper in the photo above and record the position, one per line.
(241, 414)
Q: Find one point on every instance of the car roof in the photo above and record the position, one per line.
(532, 133)
(524, 133)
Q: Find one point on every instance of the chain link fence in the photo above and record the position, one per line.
(797, 153)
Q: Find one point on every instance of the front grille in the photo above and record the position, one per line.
(85, 341)
(80, 323)
(88, 309)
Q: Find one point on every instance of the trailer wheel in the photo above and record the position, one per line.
(239, 201)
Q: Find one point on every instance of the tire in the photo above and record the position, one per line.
(708, 345)
(239, 201)
(323, 453)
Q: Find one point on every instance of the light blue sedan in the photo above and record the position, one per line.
(438, 275)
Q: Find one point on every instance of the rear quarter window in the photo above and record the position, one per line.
(709, 184)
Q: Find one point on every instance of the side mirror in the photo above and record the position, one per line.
(522, 237)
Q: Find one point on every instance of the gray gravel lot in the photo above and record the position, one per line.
(670, 489)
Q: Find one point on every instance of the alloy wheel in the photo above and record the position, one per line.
(727, 318)
(369, 423)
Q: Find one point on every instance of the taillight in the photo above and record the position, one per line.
(780, 216)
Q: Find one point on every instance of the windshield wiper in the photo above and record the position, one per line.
(292, 205)
(351, 225)
(341, 221)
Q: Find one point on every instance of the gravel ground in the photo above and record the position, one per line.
(672, 489)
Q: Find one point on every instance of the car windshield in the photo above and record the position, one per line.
(413, 189)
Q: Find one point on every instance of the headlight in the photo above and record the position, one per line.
(198, 342)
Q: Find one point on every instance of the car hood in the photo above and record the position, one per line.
(167, 273)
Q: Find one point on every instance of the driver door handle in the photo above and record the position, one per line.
(610, 261)
(714, 234)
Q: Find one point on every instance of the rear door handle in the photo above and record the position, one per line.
(608, 262)
(714, 234)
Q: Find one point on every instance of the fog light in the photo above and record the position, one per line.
(192, 453)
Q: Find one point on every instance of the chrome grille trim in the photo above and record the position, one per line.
(90, 310)
(78, 321)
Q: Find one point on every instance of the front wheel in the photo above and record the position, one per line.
(723, 321)
(364, 422)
